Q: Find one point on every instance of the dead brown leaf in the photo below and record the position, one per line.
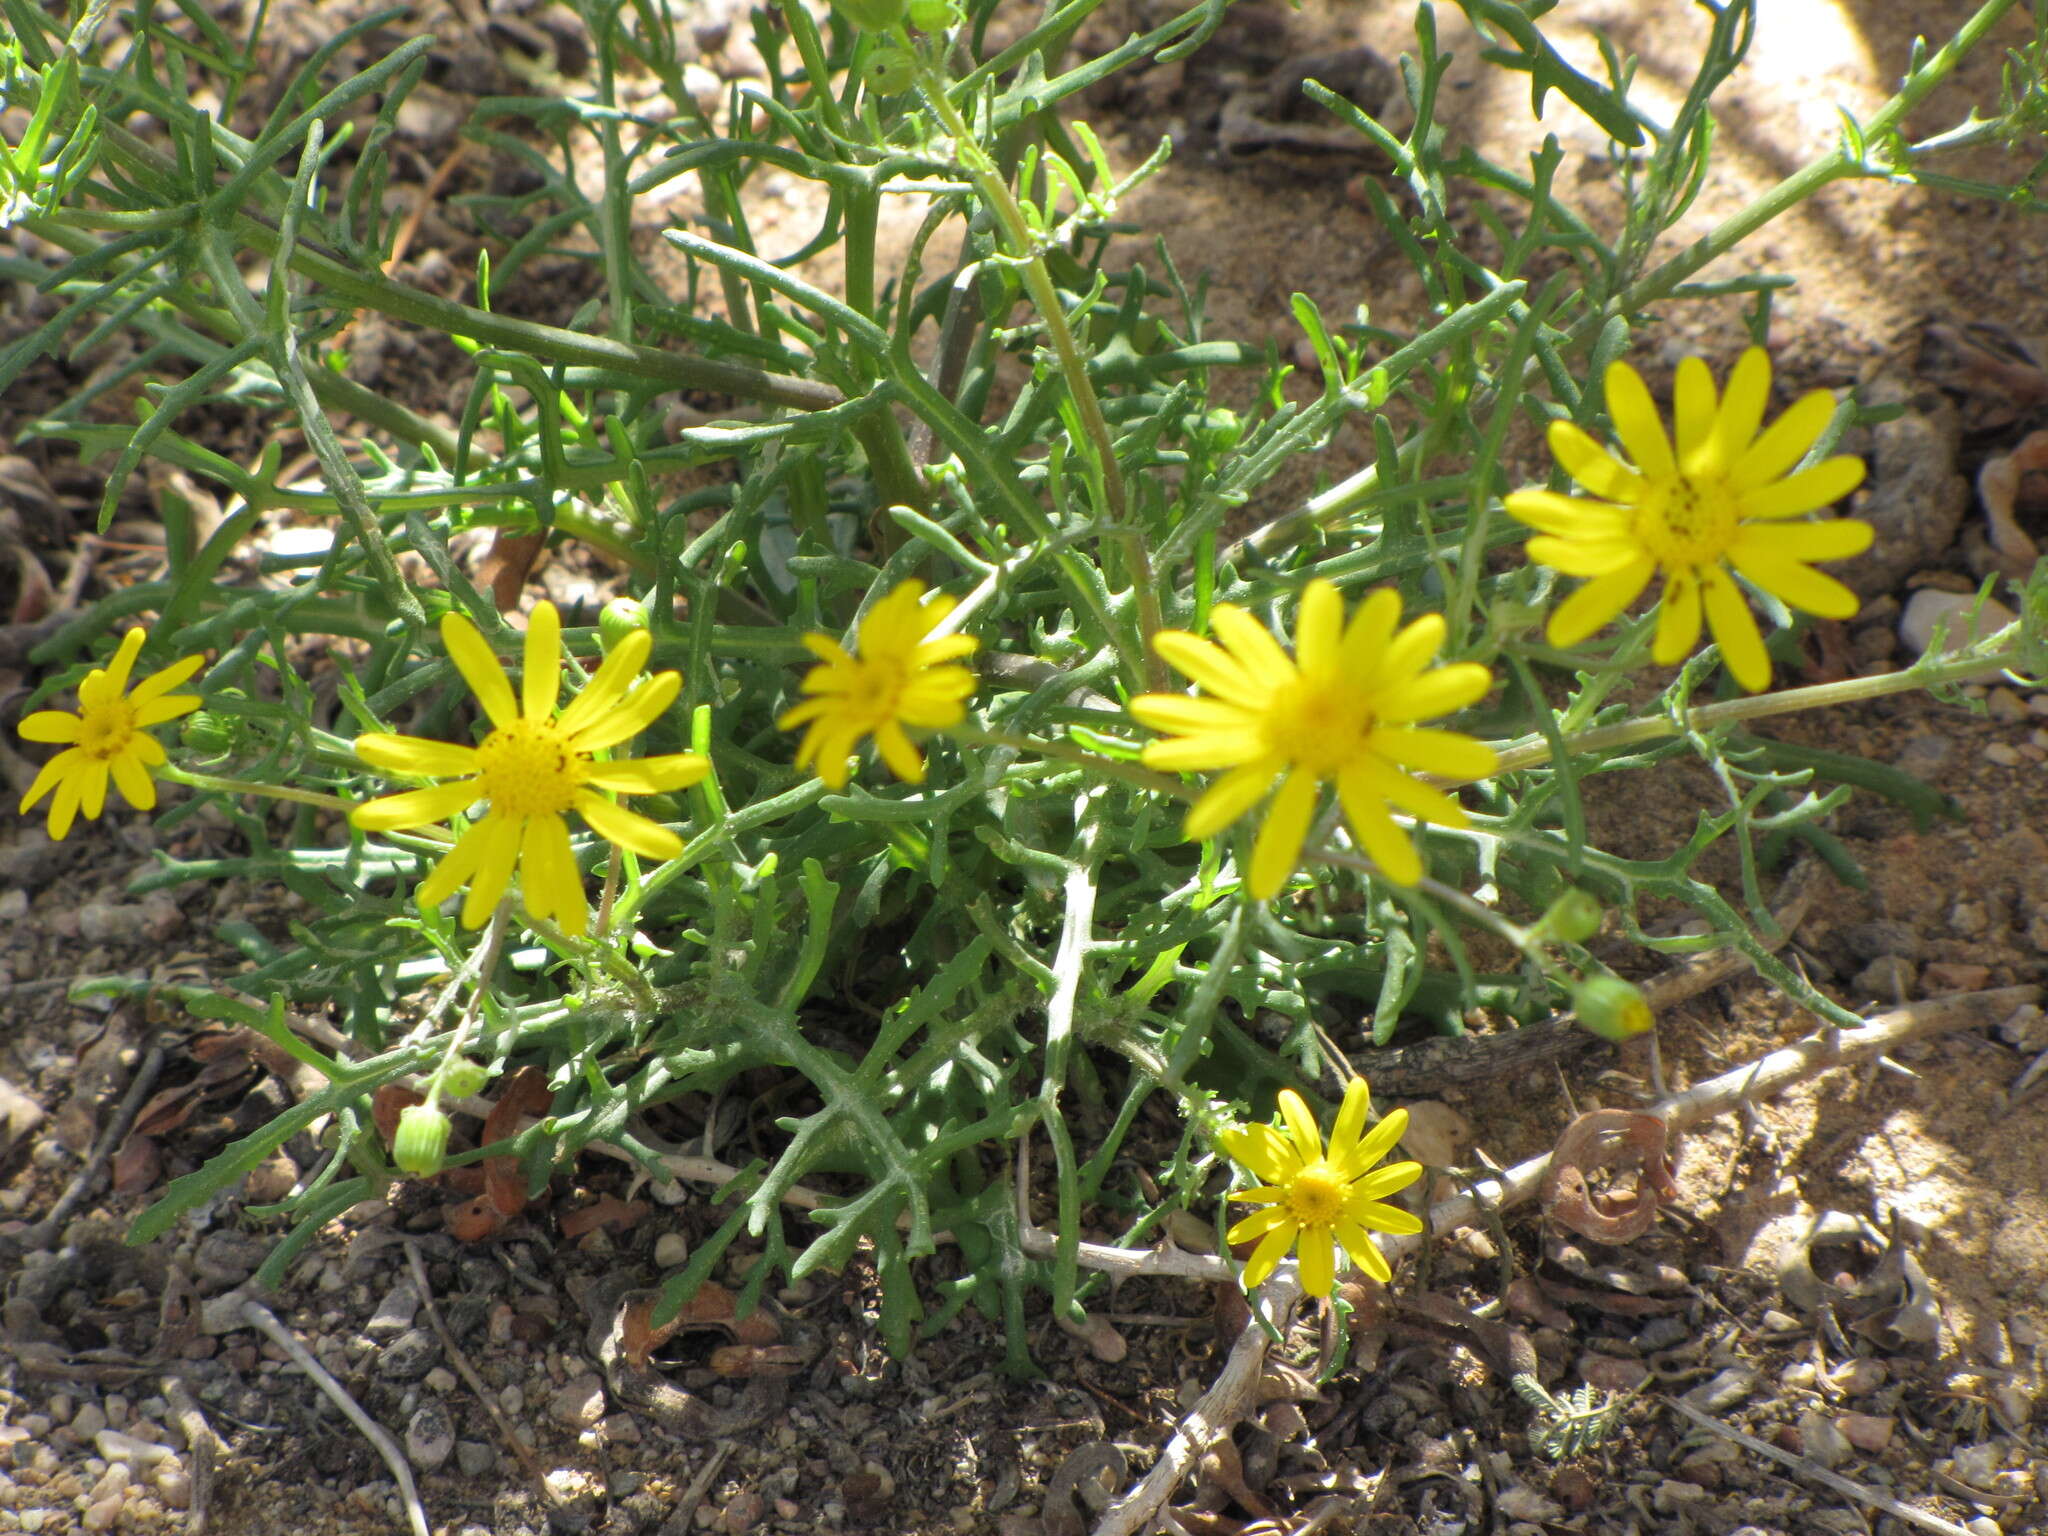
(1608, 1141)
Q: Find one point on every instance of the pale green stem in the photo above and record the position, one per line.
(208, 781)
(1066, 752)
(995, 192)
(1531, 752)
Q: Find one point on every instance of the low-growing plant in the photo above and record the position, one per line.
(927, 827)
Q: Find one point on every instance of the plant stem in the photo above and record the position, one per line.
(1530, 752)
(995, 192)
(1066, 752)
(222, 786)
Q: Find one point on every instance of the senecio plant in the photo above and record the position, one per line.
(980, 748)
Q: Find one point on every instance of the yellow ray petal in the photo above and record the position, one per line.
(1277, 851)
(608, 684)
(1228, 798)
(1297, 1123)
(1267, 1256)
(1585, 556)
(1318, 627)
(1318, 1262)
(415, 808)
(1742, 410)
(1635, 422)
(1678, 622)
(1437, 692)
(1364, 1251)
(640, 709)
(1808, 491)
(541, 676)
(134, 782)
(648, 775)
(1597, 603)
(157, 684)
(1246, 639)
(1800, 586)
(1591, 465)
(1693, 409)
(1783, 443)
(501, 841)
(1384, 843)
(1350, 1123)
(1450, 754)
(415, 756)
(479, 667)
(1567, 517)
(51, 725)
(1214, 669)
(904, 760)
(629, 829)
(1734, 627)
(158, 710)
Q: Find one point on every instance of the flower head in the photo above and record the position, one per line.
(1342, 709)
(898, 679)
(1722, 499)
(532, 767)
(1321, 1198)
(109, 736)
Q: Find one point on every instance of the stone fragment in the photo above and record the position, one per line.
(1820, 1442)
(394, 1314)
(409, 1356)
(579, 1404)
(1930, 608)
(1867, 1432)
(430, 1435)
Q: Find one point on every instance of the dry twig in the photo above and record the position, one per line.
(46, 1231)
(468, 1372)
(1876, 1498)
(202, 1450)
(261, 1317)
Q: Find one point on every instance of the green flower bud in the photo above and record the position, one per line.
(1573, 917)
(207, 734)
(871, 15)
(933, 15)
(1216, 430)
(618, 619)
(1612, 1008)
(422, 1139)
(889, 71)
(460, 1079)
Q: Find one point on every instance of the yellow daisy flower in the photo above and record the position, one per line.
(897, 680)
(108, 737)
(531, 768)
(1342, 709)
(1320, 1199)
(1722, 499)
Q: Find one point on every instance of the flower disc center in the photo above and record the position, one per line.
(1684, 522)
(104, 731)
(1319, 725)
(1315, 1196)
(527, 769)
(875, 692)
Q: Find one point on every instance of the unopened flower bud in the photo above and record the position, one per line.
(1611, 1008)
(207, 734)
(933, 15)
(422, 1139)
(889, 71)
(618, 619)
(1573, 917)
(871, 15)
(460, 1079)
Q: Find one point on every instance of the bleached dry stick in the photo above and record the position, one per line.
(260, 1316)
(1231, 1397)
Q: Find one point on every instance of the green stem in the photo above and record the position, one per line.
(1066, 752)
(1532, 752)
(1809, 179)
(222, 786)
(995, 192)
